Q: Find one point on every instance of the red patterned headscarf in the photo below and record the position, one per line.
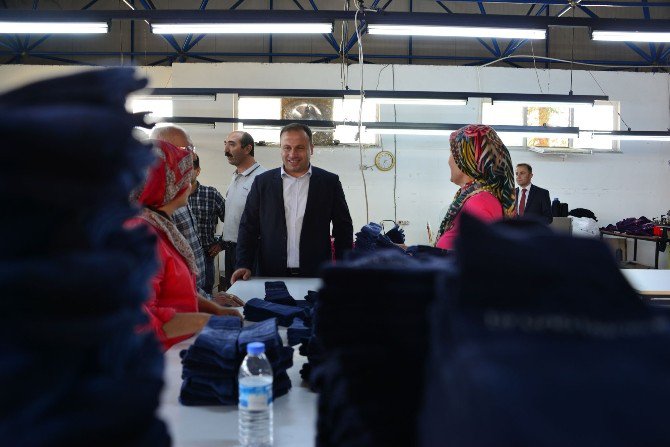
(480, 153)
(168, 177)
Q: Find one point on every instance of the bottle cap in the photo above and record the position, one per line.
(256, 348)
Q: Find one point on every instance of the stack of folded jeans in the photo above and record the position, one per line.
(211, 364)
(298, 332)
(75, 371)
(277, 292)
(371, 238)
(371, 322)
(257, 309)
(396, 235)
(559, 352)
(280, 357)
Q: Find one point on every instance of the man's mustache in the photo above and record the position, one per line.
(228, 154)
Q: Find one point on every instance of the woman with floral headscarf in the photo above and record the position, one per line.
(481, 166)
(175, 309)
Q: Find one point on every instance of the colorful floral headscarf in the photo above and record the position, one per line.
(480, 153)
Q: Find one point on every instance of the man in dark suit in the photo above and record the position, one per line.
(287, 217)
(531, 199)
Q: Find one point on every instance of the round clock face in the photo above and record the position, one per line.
(384, 161)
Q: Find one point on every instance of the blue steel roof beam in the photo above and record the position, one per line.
(329, 37)
(589, 3)
(514, 43)
(204, 58)
(184, 47)
(147, 4)
(62, 59)
(89, 4)
(647, 16)
(647, 57)
(319, 55)
(26, 39)
(439, 2)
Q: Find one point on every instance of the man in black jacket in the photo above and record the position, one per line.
(289, 210)
(531, 199)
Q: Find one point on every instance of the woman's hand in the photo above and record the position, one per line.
(227, 300)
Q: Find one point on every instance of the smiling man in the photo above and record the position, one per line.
(239, 150)
(288, 214)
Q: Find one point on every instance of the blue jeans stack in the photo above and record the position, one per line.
(561, 352)
(371, 322)
(371, 238)
(277, 292)
(257, 309)
(211, 364)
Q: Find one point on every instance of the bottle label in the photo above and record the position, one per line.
(255, 397)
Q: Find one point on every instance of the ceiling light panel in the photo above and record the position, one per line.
(53, 27)
(242, 28)
(456, 31)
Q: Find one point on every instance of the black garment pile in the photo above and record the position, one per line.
(75, 371)
(641, 226)
(279, 304)
(371, 324)
(212, 362)
(473, 350)
(371, 238)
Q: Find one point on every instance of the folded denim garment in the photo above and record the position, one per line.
(219, 336)
(297, 332)
(198, 395)
(569, 356)
(258, 310)
(311, 296)
(277, 292)
(194, 358)
(265, 332)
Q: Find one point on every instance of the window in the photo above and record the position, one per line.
(307, 108)
(157, 107)
(602, 116)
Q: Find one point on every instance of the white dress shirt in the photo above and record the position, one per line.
(295, 201)
(236, 198)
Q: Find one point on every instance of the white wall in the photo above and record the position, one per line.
(613, 186)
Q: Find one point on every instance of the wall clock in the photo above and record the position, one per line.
(384, 160)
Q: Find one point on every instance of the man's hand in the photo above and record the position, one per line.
(214, 250)
(243, 274)
(227, 300)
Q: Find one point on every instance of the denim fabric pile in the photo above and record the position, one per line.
(371, 322)
(567, 354)
(211, 363)
(73, 280)
(476, 351)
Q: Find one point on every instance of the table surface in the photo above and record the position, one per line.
(210, 426)
(652, 283)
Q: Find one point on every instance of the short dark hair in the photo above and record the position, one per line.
(297, 126)
(196, 161)
(247, 140)
(527, 166)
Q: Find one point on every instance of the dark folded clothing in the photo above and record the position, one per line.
(311, 296)
(195, 359)
(277, 292)
(219, 336)
(265, 332)
(258, 310)
(199, 395)
(297, 332)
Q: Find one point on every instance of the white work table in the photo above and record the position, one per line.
(216, 426)
(651, 284)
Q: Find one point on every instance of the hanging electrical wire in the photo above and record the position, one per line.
(360, 8)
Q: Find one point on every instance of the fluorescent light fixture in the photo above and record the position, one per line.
(418, 101)
(538, 134)
(242, 28)
(173, 97)
(540, 103)
(457, 31)
(632, 135)
(631, 36)
(53, 27)
(401, 131)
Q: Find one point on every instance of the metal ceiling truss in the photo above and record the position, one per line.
(16, 47)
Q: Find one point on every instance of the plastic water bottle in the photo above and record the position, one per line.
(255, 404)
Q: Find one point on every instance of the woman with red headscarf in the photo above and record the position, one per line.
(480, 165)
(174, 307)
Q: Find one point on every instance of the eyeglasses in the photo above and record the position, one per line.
(189, 148)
